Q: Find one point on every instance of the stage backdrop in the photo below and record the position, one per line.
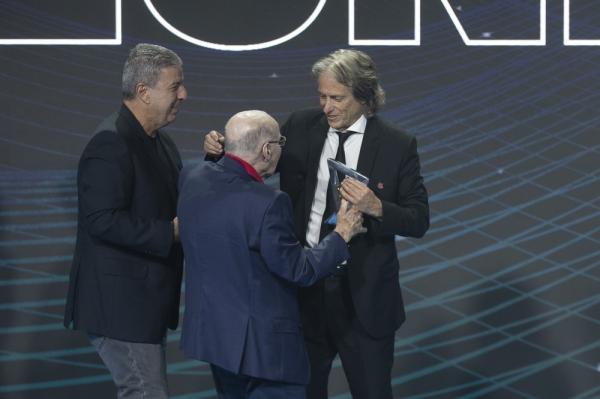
(503, 96)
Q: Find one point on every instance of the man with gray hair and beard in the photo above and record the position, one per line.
(244, 262)
(125, 278)
(356, 312)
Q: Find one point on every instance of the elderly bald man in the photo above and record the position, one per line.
(244, 262)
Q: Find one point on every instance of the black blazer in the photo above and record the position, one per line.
(388, 156)
(126, 272)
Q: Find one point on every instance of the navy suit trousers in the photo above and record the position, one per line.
(235, 386)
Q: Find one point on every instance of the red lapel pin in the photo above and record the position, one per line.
(380, 185)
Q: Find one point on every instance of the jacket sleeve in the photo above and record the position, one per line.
(105, 184)
(408, 215)
(286, 257)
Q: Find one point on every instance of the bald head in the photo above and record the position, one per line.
(247, 131)
(253, 136)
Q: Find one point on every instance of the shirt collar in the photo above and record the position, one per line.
(357, 127)
(251, 171)
(135, 124)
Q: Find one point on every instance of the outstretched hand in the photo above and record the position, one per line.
(349, 221)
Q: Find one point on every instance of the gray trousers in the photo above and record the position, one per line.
(138, 370)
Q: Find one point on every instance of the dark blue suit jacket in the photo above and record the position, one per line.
(243, 263)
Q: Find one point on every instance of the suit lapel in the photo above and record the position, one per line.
(163, 171)
(171, 170)
(133, 133)
(369, 148)
(316, 137)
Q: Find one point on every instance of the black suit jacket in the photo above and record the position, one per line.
(126, 272)
(389, 157)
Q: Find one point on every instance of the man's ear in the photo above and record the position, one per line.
(142, 93)
(266, 152)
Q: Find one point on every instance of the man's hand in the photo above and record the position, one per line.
(175, 229)
(361, 197)
(213, 143)
(349, 221)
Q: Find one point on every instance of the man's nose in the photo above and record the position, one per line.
(182, 95)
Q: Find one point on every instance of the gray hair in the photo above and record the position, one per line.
(247, 131)
(144, 64)
(356, 70)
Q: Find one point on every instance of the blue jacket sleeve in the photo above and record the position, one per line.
(286, 257)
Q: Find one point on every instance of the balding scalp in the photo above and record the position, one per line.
(247, 131)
